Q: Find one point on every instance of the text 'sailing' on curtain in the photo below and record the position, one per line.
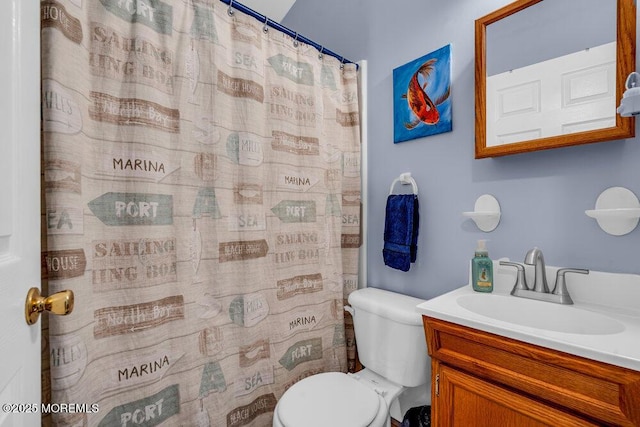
(201, 181)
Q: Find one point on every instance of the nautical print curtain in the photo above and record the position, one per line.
(201, 197)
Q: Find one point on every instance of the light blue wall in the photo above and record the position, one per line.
(543, 195)
(542, 32)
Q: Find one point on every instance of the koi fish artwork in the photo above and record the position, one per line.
(422, 102)
(421, 105)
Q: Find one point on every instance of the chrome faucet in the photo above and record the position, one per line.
(540, 290)
(534, 257)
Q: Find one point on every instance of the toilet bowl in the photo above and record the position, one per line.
(391, 344)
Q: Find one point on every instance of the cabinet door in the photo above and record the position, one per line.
(465, 400)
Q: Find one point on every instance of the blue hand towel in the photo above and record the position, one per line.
(401, 231)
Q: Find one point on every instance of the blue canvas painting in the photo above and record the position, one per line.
(421, 96)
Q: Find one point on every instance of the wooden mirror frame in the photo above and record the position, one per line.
(625, 64)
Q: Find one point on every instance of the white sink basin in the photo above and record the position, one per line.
(602, 325)
(540, 315)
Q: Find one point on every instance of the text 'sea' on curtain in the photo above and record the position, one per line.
(201, 182)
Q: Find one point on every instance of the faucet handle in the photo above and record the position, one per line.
(521, 280)
(560, 287)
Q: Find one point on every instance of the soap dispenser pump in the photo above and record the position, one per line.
(482, 269)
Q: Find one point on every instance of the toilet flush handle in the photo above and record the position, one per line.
(350, 310)
(381, 392)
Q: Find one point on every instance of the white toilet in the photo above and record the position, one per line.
(392, 347)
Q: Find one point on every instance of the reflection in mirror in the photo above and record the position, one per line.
(549, 29)
(547, 75)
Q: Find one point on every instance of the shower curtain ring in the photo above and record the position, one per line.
(265, 28)
(230, 10)
(320, 54)
(342, 64)
(295, 41)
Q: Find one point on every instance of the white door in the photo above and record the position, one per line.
(568, 94)
(19, 210)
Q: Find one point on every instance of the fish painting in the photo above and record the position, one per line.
(422, 102)
(423, 107)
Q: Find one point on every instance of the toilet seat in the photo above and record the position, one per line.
(329, 399)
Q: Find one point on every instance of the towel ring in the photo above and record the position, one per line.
(405, 178)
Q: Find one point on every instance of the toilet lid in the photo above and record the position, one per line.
(329, 399)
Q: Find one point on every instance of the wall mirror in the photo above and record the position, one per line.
(551, 73)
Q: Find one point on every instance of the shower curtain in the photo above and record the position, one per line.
(201, 197)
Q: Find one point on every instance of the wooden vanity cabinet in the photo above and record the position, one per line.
(482, 379)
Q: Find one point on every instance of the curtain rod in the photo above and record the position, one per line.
(242, 8)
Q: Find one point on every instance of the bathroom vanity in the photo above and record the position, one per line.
(500, 360)
(486, 379)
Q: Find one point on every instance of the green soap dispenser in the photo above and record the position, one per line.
(482, 269)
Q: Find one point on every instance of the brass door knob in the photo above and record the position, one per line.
(59, 303)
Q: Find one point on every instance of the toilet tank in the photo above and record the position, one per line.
(390, 335)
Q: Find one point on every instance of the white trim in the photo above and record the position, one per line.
(364, 172)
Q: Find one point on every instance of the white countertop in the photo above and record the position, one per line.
(616, 296)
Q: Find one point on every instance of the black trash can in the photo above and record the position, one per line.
(420, 416)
